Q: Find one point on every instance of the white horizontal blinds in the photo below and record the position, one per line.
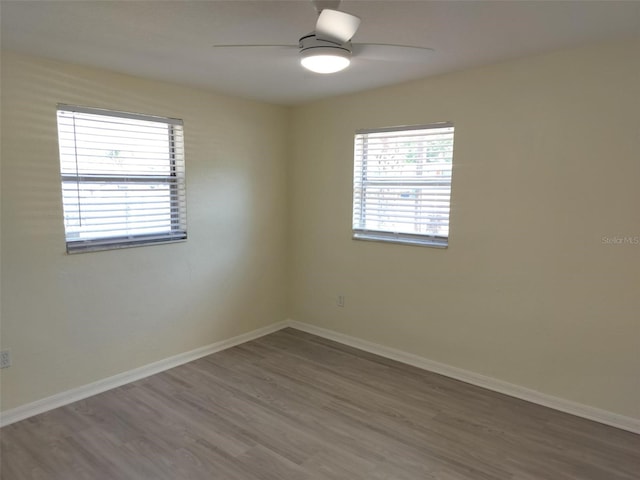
(402, 181)
(123, 178)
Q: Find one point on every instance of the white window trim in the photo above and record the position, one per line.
(359, 233)
(177, 231)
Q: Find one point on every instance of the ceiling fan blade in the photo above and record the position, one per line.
(392, 52)
(336, 26)
(255, 46)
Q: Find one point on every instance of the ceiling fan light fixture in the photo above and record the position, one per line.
(325, 59)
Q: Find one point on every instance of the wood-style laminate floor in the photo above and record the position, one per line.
(295, 406)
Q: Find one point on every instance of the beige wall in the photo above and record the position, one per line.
(546, 164)
(71, 320)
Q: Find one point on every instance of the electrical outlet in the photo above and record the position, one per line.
(5, 359)
(340, 301)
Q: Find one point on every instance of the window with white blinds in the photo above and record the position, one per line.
(402, 184)
(123, 178)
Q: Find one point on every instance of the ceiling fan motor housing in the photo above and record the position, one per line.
(324, 56)
(311, 42)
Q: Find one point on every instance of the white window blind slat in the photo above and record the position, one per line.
(122, 177)
(402, 184)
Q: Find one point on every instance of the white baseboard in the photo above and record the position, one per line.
(84, 391)
(598, 415)
(64, 398)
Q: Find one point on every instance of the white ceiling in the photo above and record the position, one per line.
(172, 40)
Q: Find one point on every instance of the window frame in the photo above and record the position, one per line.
(175, 180)
(360, 183)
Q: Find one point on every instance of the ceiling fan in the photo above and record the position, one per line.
(328, 49)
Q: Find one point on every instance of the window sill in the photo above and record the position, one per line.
(418, 241)
(89, 246)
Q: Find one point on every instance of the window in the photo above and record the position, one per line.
(402, 184)
(123, 179)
